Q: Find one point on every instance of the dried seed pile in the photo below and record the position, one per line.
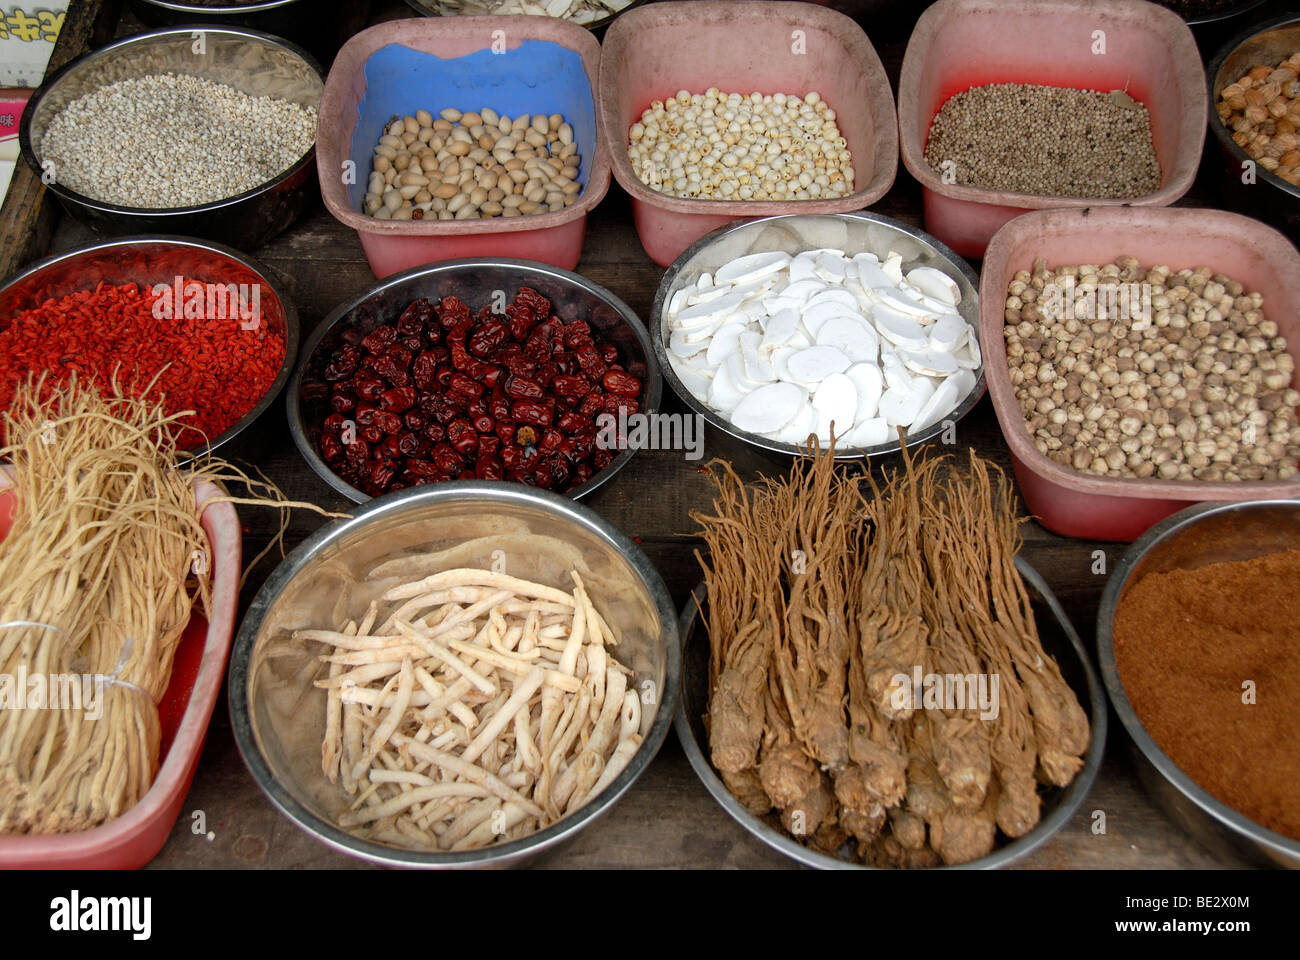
(1262, 110)
(164, 140)
(1192, 382)
(1046, 141)
(728, 146)
(467, 166)
(490, 716)
(823, 606)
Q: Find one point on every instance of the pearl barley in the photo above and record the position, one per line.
(167, 140)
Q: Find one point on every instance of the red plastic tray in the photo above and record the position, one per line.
(133, 839)
(1088, 44)
(1065, 500)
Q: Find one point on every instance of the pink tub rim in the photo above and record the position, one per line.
(625, 30)
(333, 140)
(118, 842)
(1192, 126)
(998, 268)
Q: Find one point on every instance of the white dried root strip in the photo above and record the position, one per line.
(470, 707)
(478, 578)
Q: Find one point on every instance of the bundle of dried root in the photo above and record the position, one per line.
(103, 564)
(480, 708)
(876, 675)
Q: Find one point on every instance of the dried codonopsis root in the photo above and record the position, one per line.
(1060, 724)
(899, 697)
(740, 622)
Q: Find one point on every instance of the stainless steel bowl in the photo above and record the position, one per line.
(160, 259)
(1268, 197)
(473, 281)
(278, 716)
(852, 232)
(319, 25)
(1059, 803)
(428, 8)
(1202, 534)
(255, 63)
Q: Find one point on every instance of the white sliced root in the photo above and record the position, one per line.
(770, 319)
(482, 707)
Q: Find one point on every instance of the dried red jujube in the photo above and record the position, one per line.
(443, 393)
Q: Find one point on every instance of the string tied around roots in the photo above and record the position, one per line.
(110, 679)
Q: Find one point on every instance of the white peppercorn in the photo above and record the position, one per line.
(1203, 393)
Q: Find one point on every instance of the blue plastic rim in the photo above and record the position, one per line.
(538, 76)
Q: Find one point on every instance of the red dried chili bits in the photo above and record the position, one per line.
(218, 364)
(443, 394)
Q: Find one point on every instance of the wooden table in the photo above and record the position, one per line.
(667, 820)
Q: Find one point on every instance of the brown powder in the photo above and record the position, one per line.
(1185, 642)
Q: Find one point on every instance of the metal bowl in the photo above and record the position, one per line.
(1268, 197)
(1201, 534)
(1059, 803)
(278, 716)
(318, 25)
(160, 259)
(1208, 27)
(851, 232)
(428, 9)
(474, 282)
(256, 63)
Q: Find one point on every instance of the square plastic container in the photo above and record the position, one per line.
(1076, 504)
(512, 64)
(959, 44)
(133, 839)
(653, 51)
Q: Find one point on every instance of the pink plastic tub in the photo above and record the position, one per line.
(133, 839)
(654, 51)
(959, 44)
(1098, 508)
(513, 64)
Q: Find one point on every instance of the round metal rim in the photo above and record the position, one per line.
(653, 385)
(594, 25)
(790, 449)
(177, 6)
(1216, 125)
(1004, 856)
(1213, 18)
(80, 199)
(394, 504)
(1160, 760)
(290, 316)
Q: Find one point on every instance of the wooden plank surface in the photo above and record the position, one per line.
(667, 820)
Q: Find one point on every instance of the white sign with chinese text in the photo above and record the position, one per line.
(28, 29)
